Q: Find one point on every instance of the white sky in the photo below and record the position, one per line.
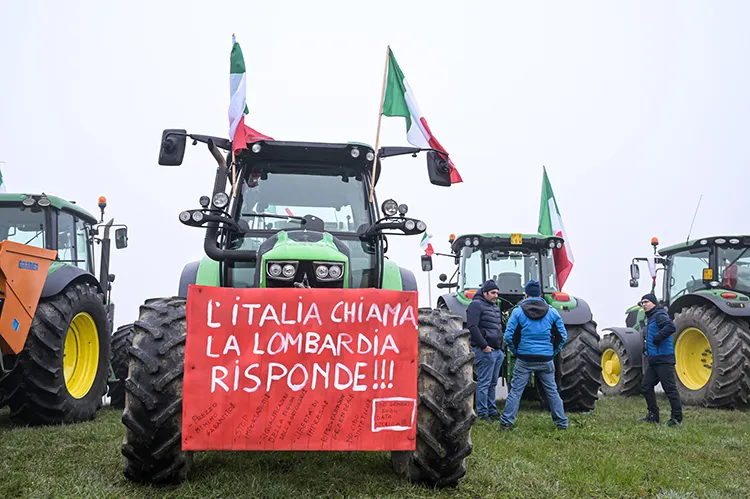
(635, 108)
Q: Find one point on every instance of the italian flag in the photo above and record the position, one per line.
(426, 245)
(551, 224)
(240, 133)
(399, 101)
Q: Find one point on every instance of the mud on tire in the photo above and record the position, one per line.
(122, 339)
(580, 369)
(445, 413)
(37, 392)
(630, 376)
(153, 395)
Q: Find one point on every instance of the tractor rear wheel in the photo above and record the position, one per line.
(711, 351)
(580, 369)
(122, 339)
(153, 405)
(61, 374)
(445, 413)
(619, 376)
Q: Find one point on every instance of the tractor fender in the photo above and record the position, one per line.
(408, 281)
(66, 274)
(578, 316)
(455, 306)
(189, 276)
(740, 308)
(632, 340)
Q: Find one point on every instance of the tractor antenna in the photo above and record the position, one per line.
(694, 215)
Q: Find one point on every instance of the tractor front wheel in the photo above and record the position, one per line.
(122, 339)
(153, 401)
(445, 413)
(580, 368)
(619, 376)
(61, 374)
(711, 351)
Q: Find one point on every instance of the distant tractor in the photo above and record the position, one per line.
(706, 290)
(55, 315)
(512, 260)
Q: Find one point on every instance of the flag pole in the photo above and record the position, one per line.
(380, 117)
(234, 175)
(429, 290)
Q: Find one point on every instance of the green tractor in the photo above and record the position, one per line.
(55, 315)
(512, 260)
(706, 290)
(297, 204)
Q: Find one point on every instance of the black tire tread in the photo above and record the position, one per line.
(630, 376)
(580, 368)
(122, 340)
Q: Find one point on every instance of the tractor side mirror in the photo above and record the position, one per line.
(443, 277)
(426, 263)
(172, 147)
(121, 238)
(438, 169)
(635, 272)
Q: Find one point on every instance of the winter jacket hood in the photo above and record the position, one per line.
(535, 331)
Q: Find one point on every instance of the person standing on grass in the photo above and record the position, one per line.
(661, 362)
(535, 333)
(484, 323)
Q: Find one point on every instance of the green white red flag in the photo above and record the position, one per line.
(551, 224)
(239, 132)
(399, 101)
(426, 245)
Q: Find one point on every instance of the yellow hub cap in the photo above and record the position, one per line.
(694, 358)
(81, 355)
(611, 367)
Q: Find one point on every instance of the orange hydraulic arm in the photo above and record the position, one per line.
(23, 272)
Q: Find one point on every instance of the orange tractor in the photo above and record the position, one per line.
(56, 317)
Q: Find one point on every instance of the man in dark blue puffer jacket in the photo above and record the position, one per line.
(483, 320)
(661, 361)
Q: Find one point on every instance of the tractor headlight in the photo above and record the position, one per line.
(720, 240)
(288, 270)
(28, 201)
(421, 225)
(558, 245)
(476, 241)
(281, 270)
(734, 241)
(410, 224)
(274, 270)
(328, 271)
(370, 156)
(197, 217)
(552, 244)
(44, 201)
(321, 271)
(390, 207)
(335, 271)
(220, 200)
(256, 148)
(355, 153)
(184, 216)
(467, 242)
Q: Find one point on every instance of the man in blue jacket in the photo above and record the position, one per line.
(661, 361)
(535, 334)
(483, 321)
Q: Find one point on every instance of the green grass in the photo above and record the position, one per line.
(603, 454)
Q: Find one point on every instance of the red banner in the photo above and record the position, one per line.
(300, 369)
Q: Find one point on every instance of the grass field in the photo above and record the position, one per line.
(603, 454)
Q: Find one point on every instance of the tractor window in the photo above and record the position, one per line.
(511, 269)
(24, 227)
(66, 238)
(686, 273)
(82, 246)
(549, 275)
(341, 204)
(734, 268)
(471, 271)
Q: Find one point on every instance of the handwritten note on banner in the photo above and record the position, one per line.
(300, 369)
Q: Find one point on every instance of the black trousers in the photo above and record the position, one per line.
(664, 373)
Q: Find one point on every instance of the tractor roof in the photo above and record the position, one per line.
(503, 239)
(55, 202)
(737, 240)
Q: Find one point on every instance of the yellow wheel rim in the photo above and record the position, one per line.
(611, 367)
(694, 358)
(81, 355)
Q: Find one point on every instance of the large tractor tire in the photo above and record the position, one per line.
(619, 376)
(153, 401)
(445, 413)
(61, 374)
(711, 351)
(122, 339)
(580, 368)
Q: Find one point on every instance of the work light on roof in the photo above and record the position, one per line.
(558, 245)
(43, 201)
(410, 224)
(552, 244)
(720, 240)
(370, 156)
(476, 241)
(389, 207)
(28, 201)
(355, 152)
(704, 242)
(255, 148)
(734, 240)
(220, 200)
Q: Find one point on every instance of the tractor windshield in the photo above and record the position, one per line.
(22, 226)
(686, 272)
(734, 268)
(512, 269)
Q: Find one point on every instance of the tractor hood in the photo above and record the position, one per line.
(303, 258)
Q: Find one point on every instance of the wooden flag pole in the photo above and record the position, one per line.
(380, 117)
(234, 175)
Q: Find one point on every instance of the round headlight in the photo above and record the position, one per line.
(355, 153)
(321, 271)
(220, 199)
(335, 271)
(559, 245)
(390, 207)
(720, 240)
(552, 244)
(734, 241)
(467, 242)
(704, 241)
(275, 270)
(288, 270)
(402, 209)
(421, 225)
(476, 241)
(197, 216)
(256, 148)
(370, 156)
(44, 202)
(410, 224)
(28, 201)
(184, 216)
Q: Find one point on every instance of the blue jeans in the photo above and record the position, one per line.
(488, 371)
(545, 374)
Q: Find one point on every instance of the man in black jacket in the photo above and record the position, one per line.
(483, 320)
